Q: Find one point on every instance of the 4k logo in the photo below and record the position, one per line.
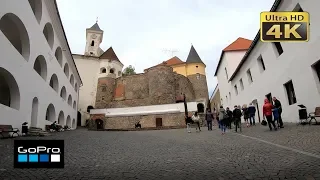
(284, 26)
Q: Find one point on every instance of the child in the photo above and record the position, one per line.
(275, 112)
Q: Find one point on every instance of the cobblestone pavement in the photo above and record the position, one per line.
(256, 153)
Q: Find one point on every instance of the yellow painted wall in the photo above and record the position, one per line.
(180, 69)
(195, 68)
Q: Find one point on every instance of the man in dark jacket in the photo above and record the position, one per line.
(277, 104)
(229, 117)
(252, 114)
(209, 118)
(237, 117)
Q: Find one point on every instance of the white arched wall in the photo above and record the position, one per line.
(31, 85)
(115, 65)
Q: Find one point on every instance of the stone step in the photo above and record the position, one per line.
(35, 128)
(44, 133)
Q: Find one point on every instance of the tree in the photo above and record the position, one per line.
(128, 71)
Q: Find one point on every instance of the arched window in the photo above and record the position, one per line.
(69, 122)
(66, 69)
(15, 31)
(92, 43)
(111, 71)
(9, 90)
(51, 113)
(40, 66)
(61, 120)
(70, 100)
(58, 55)
(103, 70)
(48, 34)
(72, 80)
(63, 93)
(74, 105)
(36, 6)
(54, 83)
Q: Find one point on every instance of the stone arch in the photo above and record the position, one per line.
(36, 6)
(51, 113)
(74, 105)
(34, 112)
(76, 87)
(69, 121)
(72, 80)
(49, 34)
(66, 69)
(103, 70)
(63, 93)
(40, 66)
(200, 107)
(61, 120)
(10, 92)
(112, 71)
(73, 123)
(54, 83)
(14, 30)
(58, 55)
(70, 100)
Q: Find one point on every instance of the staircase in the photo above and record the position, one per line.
(34, 131)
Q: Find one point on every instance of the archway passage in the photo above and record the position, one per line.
(112, 71)
(58, 55)
(66, 69)
(69, 122)
(13, 28)
(99, 123)
(74, 124)
(9, 90)
(40, 66)
(54, 83)
(49, 34)
(200, 108)
(51, 113)
(70, 100)
(74, 105)
(34, 112)
(61, 119)
(63, 93)
(79, 119)
(36, 6)
(76, 87)
(72, 80)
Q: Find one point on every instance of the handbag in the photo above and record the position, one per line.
(264, 122)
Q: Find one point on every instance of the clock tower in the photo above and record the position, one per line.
(94, 37)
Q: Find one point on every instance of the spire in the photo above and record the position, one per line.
(193, 56)
(95, 27)
(109, 54)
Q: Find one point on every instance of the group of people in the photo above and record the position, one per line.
(225, 117)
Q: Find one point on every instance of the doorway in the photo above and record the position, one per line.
(34, 112)
(79, 119)
(158, 122)
(99, 124)
(255, 103)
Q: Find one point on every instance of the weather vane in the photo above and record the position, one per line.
(170, 51)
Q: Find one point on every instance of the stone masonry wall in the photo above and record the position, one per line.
(105, 92)
(200, 87)
(147, 121)
(184, 86)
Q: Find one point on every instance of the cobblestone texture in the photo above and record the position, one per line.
(175, 154)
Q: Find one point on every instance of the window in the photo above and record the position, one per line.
(91, 53)
(103, 70)
(111, 71)
(249, 76)
(241, 84)
(297, 8)
(92, 43)
(290, 93)
(236, 89)
(225, 69)
(261, 64)
(198, 76)
(278, 47)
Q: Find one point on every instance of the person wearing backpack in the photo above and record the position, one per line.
(223, 116)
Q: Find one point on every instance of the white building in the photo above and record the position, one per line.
(288, 71)
(39, 81)
(95, 63)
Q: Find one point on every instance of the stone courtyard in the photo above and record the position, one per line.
(256, 153)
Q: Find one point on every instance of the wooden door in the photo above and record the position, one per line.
(158, 122)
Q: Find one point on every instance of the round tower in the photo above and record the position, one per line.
(196, 73)
(161, 85)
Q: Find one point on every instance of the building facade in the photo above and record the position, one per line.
(215, 99)
(150, 98)
(92, 65)
(288, 71)
(39, 81)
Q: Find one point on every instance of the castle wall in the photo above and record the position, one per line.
(184, 86)
(200, 87)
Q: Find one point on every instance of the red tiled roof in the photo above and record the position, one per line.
(239, 44)
(173, 61)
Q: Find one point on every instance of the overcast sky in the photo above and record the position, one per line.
(140, 30)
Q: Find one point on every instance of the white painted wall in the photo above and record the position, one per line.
(30, 84)
(146, 110)
(294, 64)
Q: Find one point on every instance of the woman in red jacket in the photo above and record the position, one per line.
(267, 112)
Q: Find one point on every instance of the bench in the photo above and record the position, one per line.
(314, 115)
(5, 131)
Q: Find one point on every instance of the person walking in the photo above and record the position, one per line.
(275, 112)
(267, 112)
(252, 114)
(229, 120)
(277, 104)
(209, 118)
(245, 113)
(196, 120)
(223, 117)
(237, 117)
(215, 115)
